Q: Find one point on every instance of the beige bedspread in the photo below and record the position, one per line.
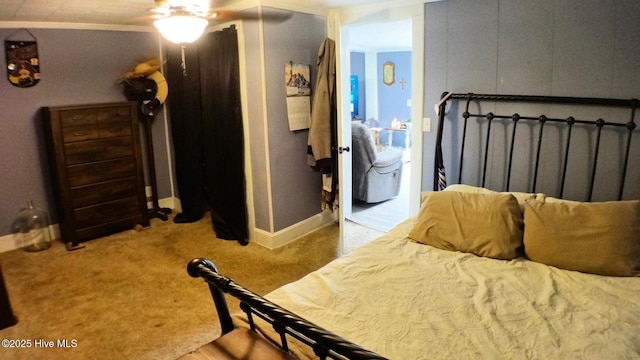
(406, 300)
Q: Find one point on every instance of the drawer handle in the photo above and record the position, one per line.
(77, 117)
(80, 133)
(109, 211)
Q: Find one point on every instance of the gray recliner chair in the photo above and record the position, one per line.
(376, 175)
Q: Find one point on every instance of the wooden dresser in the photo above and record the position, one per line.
(96, 163)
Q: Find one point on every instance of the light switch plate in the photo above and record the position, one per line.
(426, 124)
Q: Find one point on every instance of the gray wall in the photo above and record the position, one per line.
(295, 187)
(544, 47)
(78, 67)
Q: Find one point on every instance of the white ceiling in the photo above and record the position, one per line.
(112, 12)
(135, 14)
(385, 36)
(129, 12)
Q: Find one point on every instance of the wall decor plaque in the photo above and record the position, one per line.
(388, 73)
(23, 65)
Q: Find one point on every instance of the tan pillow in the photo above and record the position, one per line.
(424, 195)
(483, 224)
(520, 196)
(599, 238)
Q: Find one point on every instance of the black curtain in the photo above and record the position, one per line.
(215, 155)
(224, 135)
(185, 110)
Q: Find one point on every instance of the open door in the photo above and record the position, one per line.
(343, 82)
(339, 22)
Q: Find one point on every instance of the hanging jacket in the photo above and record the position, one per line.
(323, 110)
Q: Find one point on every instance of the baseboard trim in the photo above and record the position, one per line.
(293, 232)
(260, 237)
(171, 203)
(7, 243)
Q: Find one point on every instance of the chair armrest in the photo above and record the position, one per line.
(388, 157)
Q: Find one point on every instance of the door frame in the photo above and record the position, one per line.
(337, 21)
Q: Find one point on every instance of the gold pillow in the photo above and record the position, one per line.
(483, 224)
(599, 238)
(520, 196)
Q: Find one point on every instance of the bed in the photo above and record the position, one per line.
(531, 251)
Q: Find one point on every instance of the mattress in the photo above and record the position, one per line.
(406, 300)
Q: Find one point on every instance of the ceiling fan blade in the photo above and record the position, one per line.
(251, 14)
(217, 13)
(277, 15)
(145, 20)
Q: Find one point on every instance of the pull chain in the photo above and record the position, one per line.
(184, 62)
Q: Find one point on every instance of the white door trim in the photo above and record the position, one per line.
(340, 18)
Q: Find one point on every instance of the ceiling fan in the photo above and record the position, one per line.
(183, 21)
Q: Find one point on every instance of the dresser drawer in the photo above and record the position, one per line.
(114, 114)
(79, 133)
(96, 150)
(101, 171)
(70, 118)
(126, 223)
(106, 212)
(113, 129)
(82, 125)
(102, 192)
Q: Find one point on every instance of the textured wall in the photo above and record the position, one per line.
(546, 47)
(295, 188)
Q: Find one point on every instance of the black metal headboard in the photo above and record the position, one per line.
(573, 129)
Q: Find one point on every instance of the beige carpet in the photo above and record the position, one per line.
(128, 295)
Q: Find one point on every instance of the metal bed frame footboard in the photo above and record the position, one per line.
(512, 120)
(324, 343)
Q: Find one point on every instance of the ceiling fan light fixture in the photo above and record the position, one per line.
(181, 29)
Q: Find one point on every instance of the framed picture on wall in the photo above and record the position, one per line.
(388, 73)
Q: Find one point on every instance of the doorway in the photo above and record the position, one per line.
(380, 59)
(342, 24)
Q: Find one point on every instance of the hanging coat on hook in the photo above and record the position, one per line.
(323, 129)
